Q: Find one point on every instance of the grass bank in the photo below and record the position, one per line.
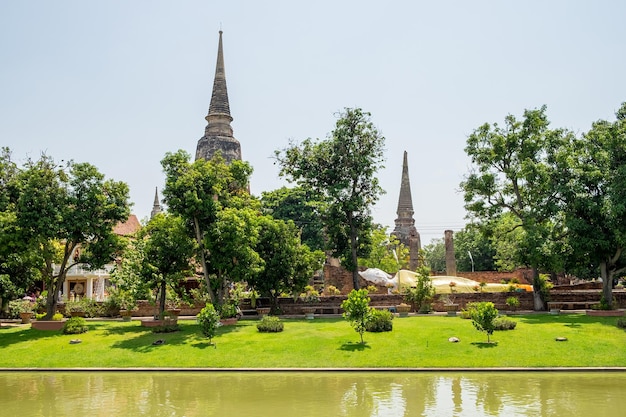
(414, 342)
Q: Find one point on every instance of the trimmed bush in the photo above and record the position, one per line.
(75, 325)
(270, 324)
(621, 323)
(503, 323)
(379, 321)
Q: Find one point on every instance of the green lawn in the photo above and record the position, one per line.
(420, 341)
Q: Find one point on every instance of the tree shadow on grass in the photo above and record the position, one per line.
(204, 345)
(24, 333)
(354, 346)
(485, 345)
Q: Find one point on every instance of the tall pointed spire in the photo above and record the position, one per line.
(156, 206)
(405, 229)
(218, 133)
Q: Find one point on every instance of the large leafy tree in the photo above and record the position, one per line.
(167, 250)
(301, 206)
(197, 192)
(514, 171)
(288, 264)
(435, 255)
(474, 250)
(230, 243)
(593, 170)
(18, 267)
(68, 212)
(342, 169)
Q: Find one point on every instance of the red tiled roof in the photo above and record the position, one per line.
(128, 227)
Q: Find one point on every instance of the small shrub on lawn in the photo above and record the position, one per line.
(209, 321)
(379, 321)
(270, 324)
(503, 323)
(75, 325)
(621, 323)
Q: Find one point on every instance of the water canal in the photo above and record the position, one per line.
(278, 394)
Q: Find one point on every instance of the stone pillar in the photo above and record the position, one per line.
(450, 261)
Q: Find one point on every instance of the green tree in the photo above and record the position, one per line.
(18, 256)
(231, 242)
(69, 213)
(435, 255)
(302, 207)
(514, 171)
(288, 265)
(471, 240)
(342, 169)
(593, 171)
(387, 253)
(167, 250)
(357, 310)
(209, 321)
(423, 293)
(483, 317)
(197, 192)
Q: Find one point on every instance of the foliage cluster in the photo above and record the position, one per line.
(310, 295)
(270, 324)
(512, 302)
(75, 325)
(379, 321)
(90, 307)
(16, 307)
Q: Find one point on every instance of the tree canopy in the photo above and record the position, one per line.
(513, 171)
(288, 264)
(198, 192)
(342, 169)
(301, 206)
(68, 212)
(593, 190)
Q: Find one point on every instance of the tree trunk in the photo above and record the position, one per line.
(607, 274)
(538, 301)
(205, 271)
(353, 252)
(162, 290)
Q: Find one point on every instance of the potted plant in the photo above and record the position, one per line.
(229, 314)
(513, 303)
(449, 305)
(23, 309)
(310, 296)
(56, 323)
(403, 309)
(422, 294)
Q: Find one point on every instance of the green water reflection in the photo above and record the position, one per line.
(312, 394)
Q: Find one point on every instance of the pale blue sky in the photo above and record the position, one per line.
(119, 83)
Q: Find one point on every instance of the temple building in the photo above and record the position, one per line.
(218, 133)
(156, 206)
(405, 229)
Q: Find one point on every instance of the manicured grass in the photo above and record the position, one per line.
(420, 341)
